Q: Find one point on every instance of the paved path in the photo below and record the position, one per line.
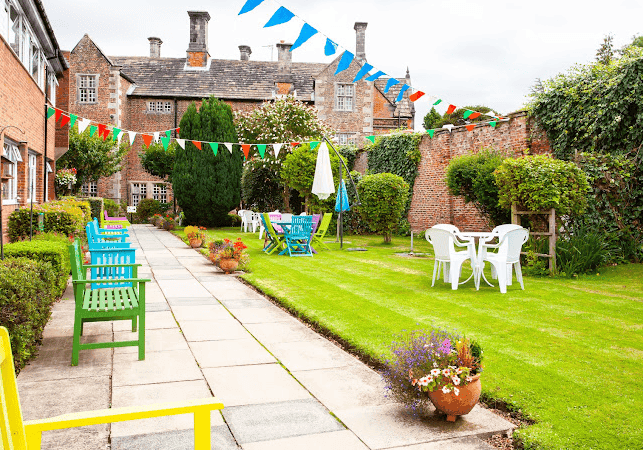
(283, 386)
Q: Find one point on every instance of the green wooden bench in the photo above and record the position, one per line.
(106, 304)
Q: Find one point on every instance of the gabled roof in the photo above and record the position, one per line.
(225, 79)
(86, 36)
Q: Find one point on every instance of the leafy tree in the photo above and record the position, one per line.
(157, 161)
(431, 118)
(457, 116)
(206, 186)
(261, 187)
(383, 197)
(92, 157)
(605, 52)
(472, 177)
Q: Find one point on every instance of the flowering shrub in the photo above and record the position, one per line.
(193, 232)
(424, 362)
(169, 223)
(65, 176)
(227, 249)
(156, 220)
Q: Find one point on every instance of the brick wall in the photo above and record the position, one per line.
(22, 105)
(62, 102)
(431, 201)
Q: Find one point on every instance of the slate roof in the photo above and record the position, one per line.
(226, 79)
(405, 108)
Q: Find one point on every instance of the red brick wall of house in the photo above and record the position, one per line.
(23, 105)
(431, 202)
(62, 102)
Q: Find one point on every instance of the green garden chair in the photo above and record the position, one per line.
(276, 241)
(321, 231)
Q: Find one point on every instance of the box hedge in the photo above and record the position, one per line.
(60, 217)
(54, 252)
(27, 292)
(96, 205)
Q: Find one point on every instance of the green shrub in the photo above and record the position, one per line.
(148, 207)
(540, 182)
(96, 205)
(113, 209)
(59, 217)
(581, 251)
(261, 186)
(54, 252)
(353, 221)
(384, 197)
(471, 176)
(27, 291)
(80, 203)
(349, 153)
(235, 220)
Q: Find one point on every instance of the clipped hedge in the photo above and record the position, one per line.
(83, 204)
(27, 292)
(383, 197)
(96, 206)
(54, 252)
(60, 217)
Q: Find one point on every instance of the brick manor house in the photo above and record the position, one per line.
(146, 94)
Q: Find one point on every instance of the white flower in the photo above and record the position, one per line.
(429, 379)
(468, 379)
(435, 372)
(446, 372)
(456, 380)
(458, 370)
(435, 364)
(445, 389)
(456, 391)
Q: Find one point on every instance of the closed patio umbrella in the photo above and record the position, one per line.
(341, 204)
(323, 184)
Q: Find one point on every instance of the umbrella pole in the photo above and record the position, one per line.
(341, 208)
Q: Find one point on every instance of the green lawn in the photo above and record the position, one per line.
(568, 353)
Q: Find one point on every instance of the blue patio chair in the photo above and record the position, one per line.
(299, 235)
(116, 258)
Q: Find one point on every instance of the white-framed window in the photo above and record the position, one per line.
(159, 107)
(138, 193)
(10, 172)
(159, 193)
(90, 189)
(4, 19)
(344, 94)
(52, 83)
(31, 188)
(346, 139)
(87, 88)
(15, 30)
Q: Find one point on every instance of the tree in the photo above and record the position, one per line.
(431, 118)
(157, 161)
(383, 197)
(605, 52)
(261, 187)
(457, 116)
(207, 186)
(92, 157)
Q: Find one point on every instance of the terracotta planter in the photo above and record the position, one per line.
(228, 265)
(457, 405)
(196, 243)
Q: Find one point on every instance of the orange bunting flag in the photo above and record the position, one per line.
(147, 139)
(413, 97)
(197, 144)
(58, 114)
(471, 127)
(474, 115)
(451, 109)
(246, 149)
(64, 121)
(294, 144)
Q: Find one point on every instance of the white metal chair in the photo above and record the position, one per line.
(508, 255)
(499, 232)
(444, 243)
(242, 213)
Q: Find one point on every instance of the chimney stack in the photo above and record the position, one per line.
(360, 45)
(245, 52)
(155, 47)
(197, 52)
(284, 57)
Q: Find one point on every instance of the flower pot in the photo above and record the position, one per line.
(196, 243)
(228, 265)
(457, 405)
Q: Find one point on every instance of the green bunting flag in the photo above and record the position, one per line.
(314, 144)
(92, 130)
(72, 120)
(431, 132)
(437, 102)
(262, 149)
(493, 123)
(467, 113)
(215, 147)
(371, 138)
(165, 140)
(50, 112)
(168, 133)
(115, 133)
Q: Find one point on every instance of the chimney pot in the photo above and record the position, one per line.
(155, 47)
(360, 44)
(245, 52)
(284, 57)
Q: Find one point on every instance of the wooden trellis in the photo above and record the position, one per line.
(551, 233)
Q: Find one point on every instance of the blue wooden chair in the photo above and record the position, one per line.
(299, 235)
(116, 264)
(94, 235)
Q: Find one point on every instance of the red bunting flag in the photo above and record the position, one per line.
(474, 115)
(147, 139)
(101, 130)
(294, 144)
(58, 114)
(471, 127)
(178, 131)
(64, 121)
(246, 149)
(197, 144)
(451, 109)
(413, 97)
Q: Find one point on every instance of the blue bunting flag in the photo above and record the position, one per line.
(330, 48)
(282, 15)
(390, 83)
(401, 94)
(345, 62)
(375, 76)
(250, 5)
(362, 72)
(306, 33)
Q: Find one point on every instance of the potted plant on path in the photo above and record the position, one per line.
(195, 235)
(227, 254)
(441, 366)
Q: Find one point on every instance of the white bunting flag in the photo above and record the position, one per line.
(181, 143)
(228, 146)
(277, 147)
(156, 136)
(431, 99)
(132, 136)
(120, 135)
(83, 124)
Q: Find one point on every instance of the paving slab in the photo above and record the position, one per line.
(150, 394)
(175, 440)
(290, 331)
(467, 443)
(389, 426)
(311, 355)
(222, 293)
(201, 313)
(171, 274)
(183, 288)
(241, 302)
(266, 314)
(156, 340)
(184, 251)
(90, 328)
(157, 367)
(154, 320)
(270, 421)
(191, 301)
(156, 307)
(238, 385)
(230, 353)
(341, 440)
(228, 329)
